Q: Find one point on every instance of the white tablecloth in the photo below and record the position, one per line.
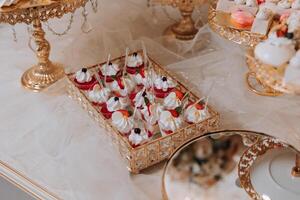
(52, 141)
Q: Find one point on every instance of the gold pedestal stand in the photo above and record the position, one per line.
(184, 29)
(45, 72)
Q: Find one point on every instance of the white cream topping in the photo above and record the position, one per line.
(99, 95)
(240, 2)
(164, 83)
(128, 84)
(264, 13)
(251, 3)
(284, 4)
(293, 21)
(295, 61)
(292, 72)
(192, 114)
(169, 123)
(152, 116)
(123, 123)
(135, 60)
(139, 99)
(136, 138)
(114, 104)
(110, 70)
(83, 76)
(171, 101)
(296, 4)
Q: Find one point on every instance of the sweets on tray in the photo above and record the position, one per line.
(139, 109)
(147, 111)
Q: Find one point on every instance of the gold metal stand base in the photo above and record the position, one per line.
(37, 79)
(174, 32)
(296, 169)
(256, 86)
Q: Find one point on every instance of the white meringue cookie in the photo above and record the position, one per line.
(128, 84)
(83, 76)
(169, 123)
(98, 95)
(135, 60)
(115, 103)
(171, 101)
(193, 115)
(151, 113)
(110, 70)
(164, 83)
(138, 138)
(123, 123)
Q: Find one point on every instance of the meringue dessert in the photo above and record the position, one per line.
(138, 136)
(169, 121)
(122, 120)
(135, 63)
(195, 113)
(173, 100)
(109, 71)
(163, 86)
(84, 79)
(113, 104)
(99, 95)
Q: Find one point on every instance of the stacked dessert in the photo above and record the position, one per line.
(138, 101)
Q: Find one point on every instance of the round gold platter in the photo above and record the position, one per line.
(217, 166)
(34, 12)
(242, 37)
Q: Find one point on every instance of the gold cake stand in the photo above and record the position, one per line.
(34, 12)
(184, 29)
(241, 37)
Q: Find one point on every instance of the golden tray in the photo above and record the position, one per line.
(155, 150)
(242, 37)
(269, 77)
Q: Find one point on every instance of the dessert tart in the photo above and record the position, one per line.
(138, 136)
(163, 86)
(109, 72)
(169, 121)
(99, 95)
(135, 64)
(113, 104)
(195, 113)
(84, 80)
(123, 121)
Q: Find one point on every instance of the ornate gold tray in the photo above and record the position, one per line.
(242, 37)
(155, 150)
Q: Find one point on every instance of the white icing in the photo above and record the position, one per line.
(123, 123)
(172, 101)
(240, 2)
(284, 4)
(264, 13)
(275, 50)
(169, 123)
(129, 86)
(152, 116)
(251, 3)
(164, 85)
(83, 77)
(192, 114)
(98, 95)
(135, 61)
(138, 139)
(296, 4)
(295, 61)
(110, 70)
(113, 104)
(139, 99)
(293, 21)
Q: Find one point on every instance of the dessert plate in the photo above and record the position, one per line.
(265, 171)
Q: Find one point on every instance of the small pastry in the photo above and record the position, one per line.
(137, 137)
(173, 100)
(264, 13)
(251, 3)
(110, 72)
(84, 80)
(292, 72)
(296, 5)
(240, 2)
(150, 113)
(285, 4)
(195, 113)
(123, 86)
(169, 121)
(99, 95)
(163, 86)
(122, 120)
(242, 18)
(142, 98)
(113, 104)
(134, 64)
(275, 51)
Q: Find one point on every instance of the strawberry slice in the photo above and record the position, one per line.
(125, 113)
(179, 94)
(174, 113)
(120, 83)
(199, 106)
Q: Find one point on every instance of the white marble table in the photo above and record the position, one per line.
(54, 144)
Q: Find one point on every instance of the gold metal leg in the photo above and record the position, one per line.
(185, 28)
(256, 86)
(296, 169)
(45, 72)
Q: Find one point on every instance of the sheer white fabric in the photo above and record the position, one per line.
(53, 141)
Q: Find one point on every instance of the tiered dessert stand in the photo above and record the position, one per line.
(44, 73)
